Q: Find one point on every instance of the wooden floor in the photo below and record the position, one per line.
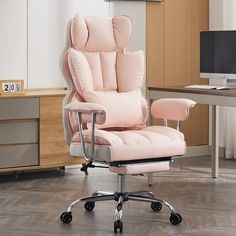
(31, 205)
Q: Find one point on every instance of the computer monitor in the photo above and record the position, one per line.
(218, 55)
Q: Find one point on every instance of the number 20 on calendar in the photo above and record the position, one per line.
(11, 87)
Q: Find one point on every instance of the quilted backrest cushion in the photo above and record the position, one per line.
(103, 69)
(93, 71)
(103, 72)
(106, 70)
(130, 70)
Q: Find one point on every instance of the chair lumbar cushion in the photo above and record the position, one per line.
(122, 109)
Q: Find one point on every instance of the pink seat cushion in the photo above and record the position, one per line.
(149, 142)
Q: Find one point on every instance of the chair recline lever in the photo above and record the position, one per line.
(85, 167)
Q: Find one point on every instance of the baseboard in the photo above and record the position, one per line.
(194, 151)
(203, 150)
(222, 152)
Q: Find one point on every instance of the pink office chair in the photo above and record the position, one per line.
(105, 114)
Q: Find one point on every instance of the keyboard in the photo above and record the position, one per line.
(201, 86)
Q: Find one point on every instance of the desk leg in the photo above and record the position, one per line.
(215, 142)
(150, 123)
(150, 118)
(150, 179)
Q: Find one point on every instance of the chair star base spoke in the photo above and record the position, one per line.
(121, 196)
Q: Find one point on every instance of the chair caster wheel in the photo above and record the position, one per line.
(66, 217)
(175, 218)
(156, 206)
(118, 225)
(89, 206)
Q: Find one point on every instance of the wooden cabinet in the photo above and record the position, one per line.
(53, 148)
(31, 132)
(173, 54)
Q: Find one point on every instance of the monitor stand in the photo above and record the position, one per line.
(223, 82)
(218, 82)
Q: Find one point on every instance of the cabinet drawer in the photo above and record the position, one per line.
(18, 155)
(19, 108)
(19, 132)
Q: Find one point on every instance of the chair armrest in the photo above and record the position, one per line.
(86, 109)
(88, 113)
(172, 108)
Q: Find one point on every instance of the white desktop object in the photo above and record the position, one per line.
(201, 86)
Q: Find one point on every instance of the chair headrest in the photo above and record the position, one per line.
(105, 34)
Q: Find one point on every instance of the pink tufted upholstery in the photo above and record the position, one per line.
(104, 34)
(106, 79)
(149, 142)
(104, 98)
(86, 110)
(102, 72)
(172, 109)
(130, 71)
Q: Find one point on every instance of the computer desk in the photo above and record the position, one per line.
(214, 98)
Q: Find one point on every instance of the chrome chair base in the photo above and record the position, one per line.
(121, 197)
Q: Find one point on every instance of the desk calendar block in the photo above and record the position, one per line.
(11, 87)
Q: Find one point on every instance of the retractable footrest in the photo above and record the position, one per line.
(140, 167)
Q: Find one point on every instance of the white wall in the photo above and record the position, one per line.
(222, 14)
(13, 39)
(216, 14)
(229, 15)
(44, 44)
